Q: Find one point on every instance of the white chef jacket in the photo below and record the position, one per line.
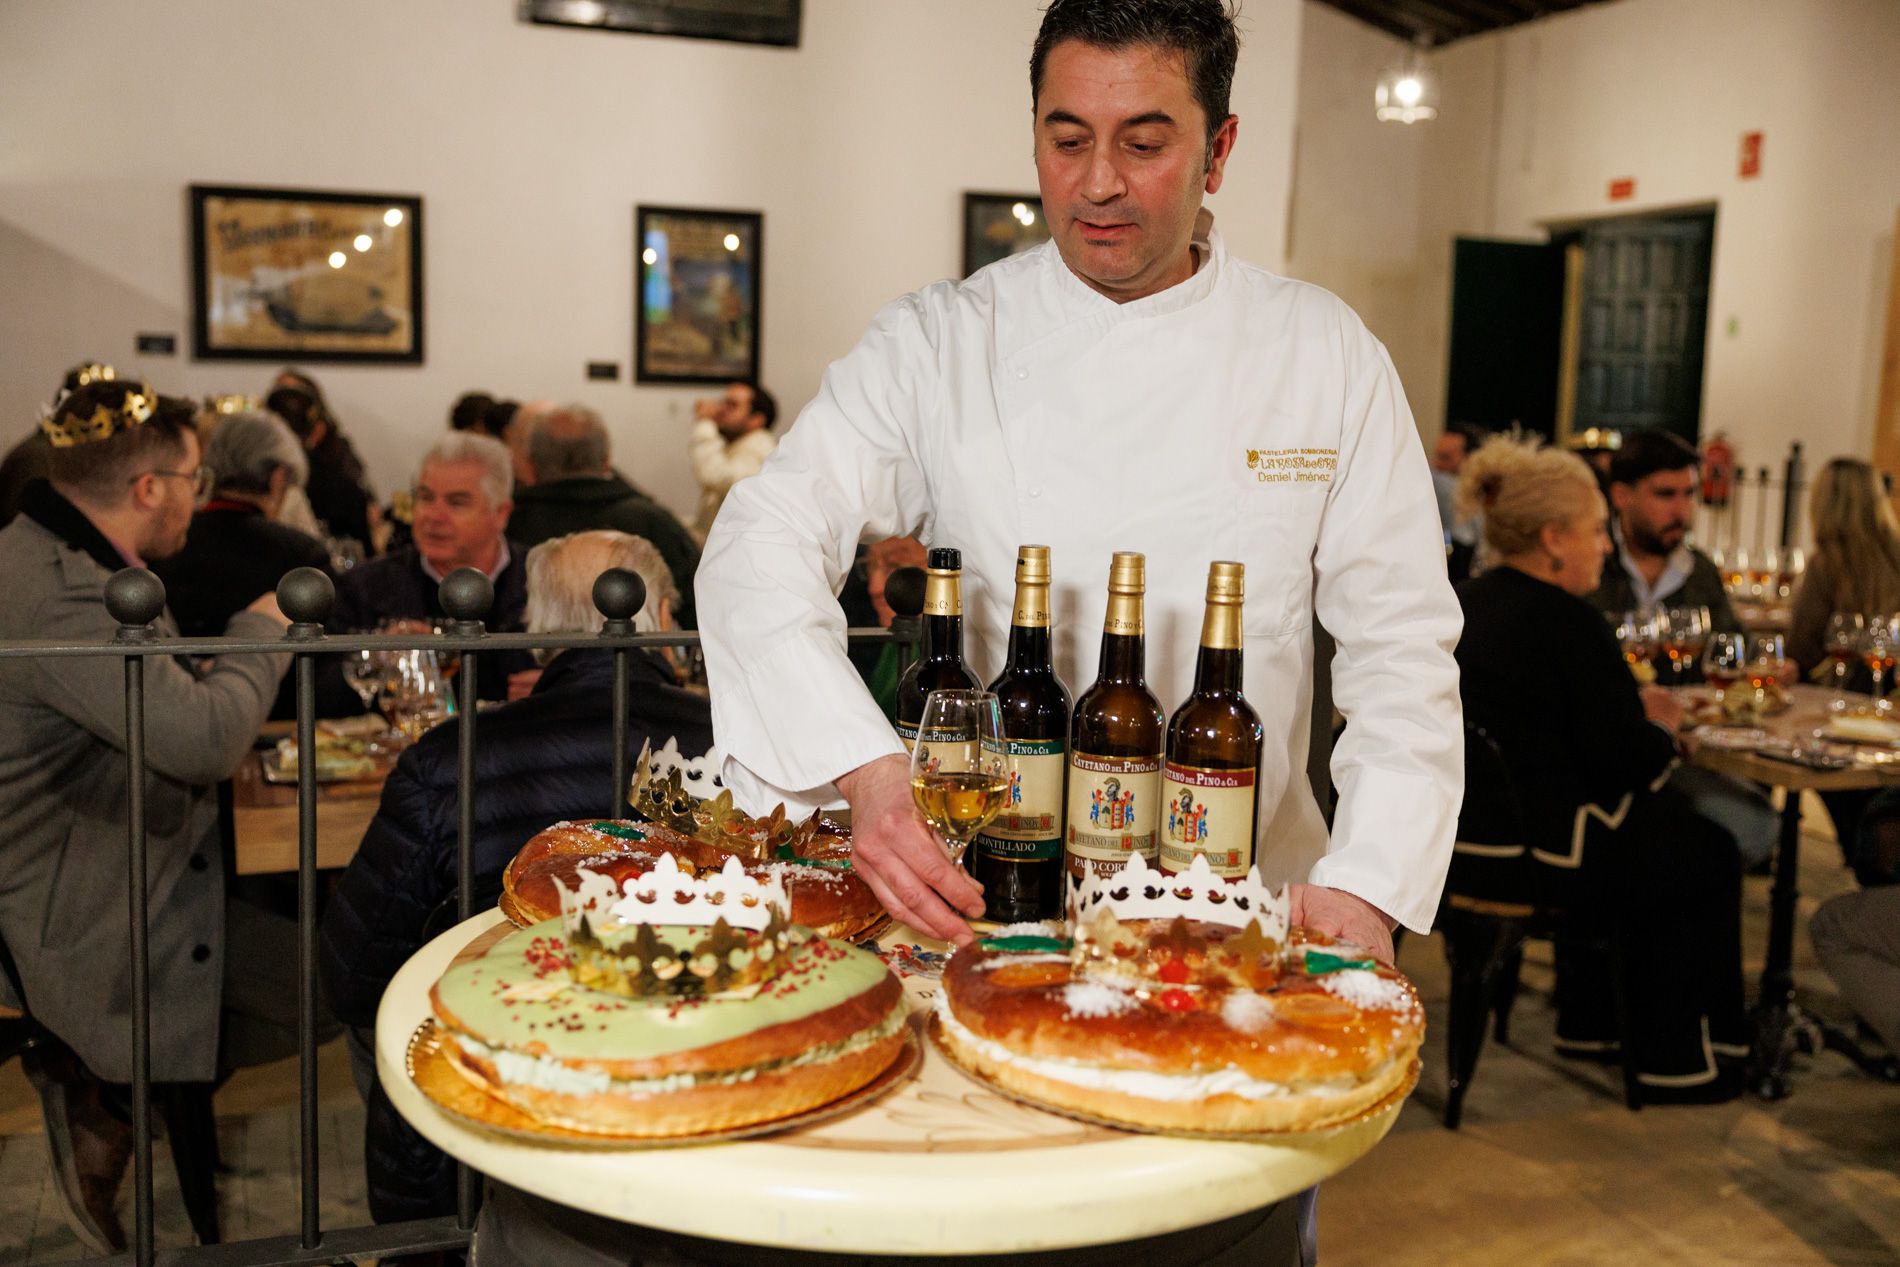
(1237, 415)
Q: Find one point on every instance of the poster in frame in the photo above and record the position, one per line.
(773, 22)
(997, 226)
(306, 275)
(697, 283)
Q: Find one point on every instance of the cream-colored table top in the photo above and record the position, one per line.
(938, 1166)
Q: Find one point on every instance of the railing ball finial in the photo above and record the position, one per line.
(467, 596)
(135, 598)
(306, 596)
(904, 591)
(618, 595)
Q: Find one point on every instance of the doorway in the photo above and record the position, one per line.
(1604, 326)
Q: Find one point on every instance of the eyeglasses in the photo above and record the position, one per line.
(200, 478)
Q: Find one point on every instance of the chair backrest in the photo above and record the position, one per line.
(1490, 869)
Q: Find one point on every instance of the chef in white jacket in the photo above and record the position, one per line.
(1127, 386)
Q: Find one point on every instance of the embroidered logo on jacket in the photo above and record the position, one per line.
(1293, 466)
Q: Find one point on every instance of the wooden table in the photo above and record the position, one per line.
(265, 816)
(1776, 1013)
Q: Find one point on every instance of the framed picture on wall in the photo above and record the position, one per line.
(747, 21)
(997, 226)
(696, 295)
(306, 275)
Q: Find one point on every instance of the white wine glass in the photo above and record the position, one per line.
(960, 768)
(414, 696)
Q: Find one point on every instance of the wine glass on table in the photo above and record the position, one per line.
(1722, 664)
(1767, 667)
(1636, 633)
(414, 696)
(960, 768)
(1845, 631)
(1877, 648)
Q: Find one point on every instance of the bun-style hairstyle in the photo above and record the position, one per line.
(1518, 486)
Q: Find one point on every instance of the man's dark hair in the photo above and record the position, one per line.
(500, 414)
(1646, 452)
(301, 409)
(1201, 31)
(101, 470)
(762, 403)
(470, 412)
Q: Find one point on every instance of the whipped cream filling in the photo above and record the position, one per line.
(547, 1074)
(1138, 1082)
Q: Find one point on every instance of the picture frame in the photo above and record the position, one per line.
(698, 276)
(773, 22)
(997, 226)
(306, 275)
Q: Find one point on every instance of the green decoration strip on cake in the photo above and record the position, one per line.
(1319, 963)
(1047, 945)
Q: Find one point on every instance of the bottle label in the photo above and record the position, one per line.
(1114, 805)
(1207, 812)
(943, 593)
(942, 743)
(1030, 827)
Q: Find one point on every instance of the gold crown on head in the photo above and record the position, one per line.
(66, 430)
(1108, 945)
(668, 932)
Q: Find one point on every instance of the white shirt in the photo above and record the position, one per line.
(719, 463)
(1237, 415)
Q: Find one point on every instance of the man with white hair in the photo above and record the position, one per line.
(236, 548)
(463, 495)
(540, 759)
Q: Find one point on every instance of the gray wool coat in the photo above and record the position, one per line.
(64, 909)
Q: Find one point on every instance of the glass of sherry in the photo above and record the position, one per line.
(1722, 663)
(1877, 648)
(1845, 631)
(960, 767)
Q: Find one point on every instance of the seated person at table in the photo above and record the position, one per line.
(236, 549)
(537, 761)
(1652, 495)
(1855, 565)
(124, 472)
(338, 486)
(1590, 755)
(30, 459)
(575, 488)
(462, 502)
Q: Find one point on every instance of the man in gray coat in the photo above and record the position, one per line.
(125, 474)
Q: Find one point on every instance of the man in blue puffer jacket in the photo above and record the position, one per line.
(538, 760)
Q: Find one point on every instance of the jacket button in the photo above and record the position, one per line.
(199, 862)
(200, 953)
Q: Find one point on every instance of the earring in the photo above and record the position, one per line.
(1556, 563)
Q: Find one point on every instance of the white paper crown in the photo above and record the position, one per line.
(667, 895)
(1138, 891)
(698, 775)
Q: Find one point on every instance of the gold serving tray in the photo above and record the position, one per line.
(1390, 1104)
(441, 1080)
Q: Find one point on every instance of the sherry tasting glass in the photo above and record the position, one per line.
(1637, 634)
(1722, 664)
(414, 696)
(1767, 665)
(1845, 631)
(960, 769)
(1877, 649)
(1735, 575)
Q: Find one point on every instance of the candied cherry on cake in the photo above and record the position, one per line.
(1174, 972)
(1177, 1000)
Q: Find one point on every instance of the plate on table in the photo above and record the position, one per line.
(1731, 738)
(1860, 729)
(340, 758)
(457, 1094)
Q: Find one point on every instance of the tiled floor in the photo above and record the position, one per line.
(1549, 1168)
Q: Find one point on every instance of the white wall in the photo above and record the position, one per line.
(530, 147)
(1538, 119)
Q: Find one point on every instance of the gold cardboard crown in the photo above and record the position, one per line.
(663, 799)
(66, 431)
(1143, 927)
(669, 932)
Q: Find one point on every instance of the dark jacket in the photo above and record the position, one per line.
(233, 554)
(338, 490)
(1542, 675)
(537, 761)
(558, 507)
(395, 587)
(31, 459)
(1616, 593)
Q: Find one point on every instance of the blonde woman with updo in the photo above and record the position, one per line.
(1544, 678)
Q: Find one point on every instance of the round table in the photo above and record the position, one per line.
(939, 1165)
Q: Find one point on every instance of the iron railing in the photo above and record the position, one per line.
(135, 598)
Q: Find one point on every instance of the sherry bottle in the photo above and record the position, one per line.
(1018, 857)
(939, 665)
(1116, 740)
(1208, 783)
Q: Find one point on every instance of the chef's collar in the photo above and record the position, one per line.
(1209, 255)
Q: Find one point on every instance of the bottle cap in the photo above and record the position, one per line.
(1032, 565)
(1128, 573)
(1226, 582)
(944, 559)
